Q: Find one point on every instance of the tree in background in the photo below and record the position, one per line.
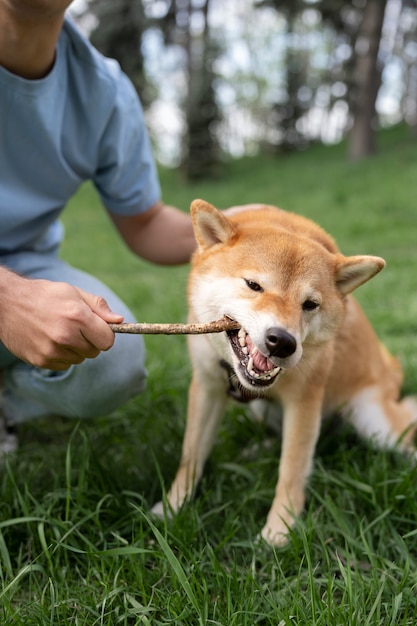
(183, 23)
(366, 81)
(297, 99)
(404, 45)
(186, 23)
(120, 25)
(317, 71)
(356, 27)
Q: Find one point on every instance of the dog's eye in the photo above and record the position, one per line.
(253, 285)
(310, 305)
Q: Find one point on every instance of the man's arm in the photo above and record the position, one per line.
(51, 324)
(162, 235)
(54, 325)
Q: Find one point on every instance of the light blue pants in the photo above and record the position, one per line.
(94, 387)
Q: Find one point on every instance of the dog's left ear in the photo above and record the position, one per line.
(210, 225)
(353, 271)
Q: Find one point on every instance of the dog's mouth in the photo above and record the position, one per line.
(256, 368)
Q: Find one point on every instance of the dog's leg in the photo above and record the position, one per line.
(301, 428)
(206, 406)
(387, 422)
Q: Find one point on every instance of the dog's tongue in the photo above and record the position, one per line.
(261, 362)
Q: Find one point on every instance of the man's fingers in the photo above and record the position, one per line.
(95, 335)
(60, 362)
(95, 338)
(100, 307)
(94, 343)
(67, 356)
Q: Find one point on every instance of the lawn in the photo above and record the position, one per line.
(77, 543)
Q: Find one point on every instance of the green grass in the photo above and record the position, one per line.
(76, 543)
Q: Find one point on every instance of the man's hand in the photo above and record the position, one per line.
(53, 325)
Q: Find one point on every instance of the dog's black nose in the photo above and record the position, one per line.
(280, 343)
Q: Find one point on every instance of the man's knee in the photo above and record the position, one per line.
(107, 382)
(104, 400)
(95, 387)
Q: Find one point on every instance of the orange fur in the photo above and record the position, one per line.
(307, 345)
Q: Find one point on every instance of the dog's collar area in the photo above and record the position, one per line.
(235, 389)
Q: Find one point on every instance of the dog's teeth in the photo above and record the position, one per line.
(242, 333)
(264, 376)
(250, 365)
(245, 350)
(242, 342)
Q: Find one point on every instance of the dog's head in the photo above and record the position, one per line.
(280, 276)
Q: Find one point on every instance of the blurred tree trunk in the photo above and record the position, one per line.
(118, 35)
(201, 150)
(366, 81)
(186, 24)
(289, 113)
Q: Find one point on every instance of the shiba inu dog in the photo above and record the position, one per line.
(303, 342)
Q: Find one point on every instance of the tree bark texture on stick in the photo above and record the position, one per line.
(217, 326)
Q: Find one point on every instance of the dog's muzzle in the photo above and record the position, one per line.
(256, 368)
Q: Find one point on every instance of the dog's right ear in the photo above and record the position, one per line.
(210, 225)
(354, 271)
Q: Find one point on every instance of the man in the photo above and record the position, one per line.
(67, 115)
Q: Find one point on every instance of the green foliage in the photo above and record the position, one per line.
(77, 545)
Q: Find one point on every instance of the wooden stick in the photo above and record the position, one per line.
(217, 326)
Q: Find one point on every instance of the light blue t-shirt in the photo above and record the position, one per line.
(82, 121)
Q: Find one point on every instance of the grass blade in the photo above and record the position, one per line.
(175, 564)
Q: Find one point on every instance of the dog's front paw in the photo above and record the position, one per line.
(162, 511)
(278, 524)
(276, 536)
